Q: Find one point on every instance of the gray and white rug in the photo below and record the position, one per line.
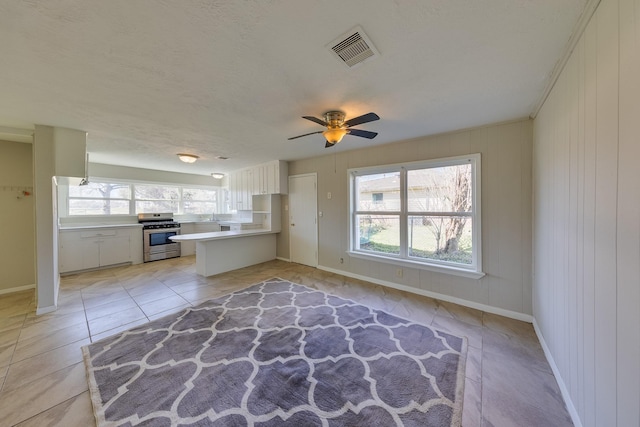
(278, 354)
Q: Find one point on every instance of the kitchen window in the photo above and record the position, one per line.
(420, 214)
(99, 198)
(129, 198)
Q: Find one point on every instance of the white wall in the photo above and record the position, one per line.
(506, 212)
(17, 254)
(143, 175)
(587, 220)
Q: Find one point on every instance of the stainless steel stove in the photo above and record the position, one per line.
(157, 228)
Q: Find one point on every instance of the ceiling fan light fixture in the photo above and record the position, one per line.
(188, 158)
(217, 175)
(334, 135)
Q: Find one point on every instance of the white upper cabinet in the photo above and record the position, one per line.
(266, 178)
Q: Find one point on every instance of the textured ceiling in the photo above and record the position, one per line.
(148, 78)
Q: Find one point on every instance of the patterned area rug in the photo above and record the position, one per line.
(278, 354)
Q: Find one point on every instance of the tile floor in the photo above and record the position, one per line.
(42, 377)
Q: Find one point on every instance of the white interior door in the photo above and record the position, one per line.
(303, 221)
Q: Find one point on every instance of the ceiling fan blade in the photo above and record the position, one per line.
(306, 134)
(365, 118)
(362, 133)
(315, 120)
(329, 144)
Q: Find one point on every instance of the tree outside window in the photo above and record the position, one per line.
(422, 212)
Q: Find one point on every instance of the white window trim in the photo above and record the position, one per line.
(64, 194)
(474, 270)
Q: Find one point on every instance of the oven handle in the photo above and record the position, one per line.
(161, 230)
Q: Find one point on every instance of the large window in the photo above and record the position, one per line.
(424, 214)
(122, 198)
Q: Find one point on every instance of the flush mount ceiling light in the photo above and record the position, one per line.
(188, 158)
(217, 175)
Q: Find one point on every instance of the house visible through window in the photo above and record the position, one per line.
(421, 213)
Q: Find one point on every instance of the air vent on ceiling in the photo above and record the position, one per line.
(353, 48)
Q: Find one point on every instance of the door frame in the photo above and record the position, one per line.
(315, 229)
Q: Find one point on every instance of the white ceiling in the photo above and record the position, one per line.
(149, 78)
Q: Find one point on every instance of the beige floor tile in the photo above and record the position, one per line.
(121, 328)
(74, 412)
(503, 373)
(164, 304)
(12, 322)
(503, 409)
(109, 308)
(93, 300)
(457, 327)
(189, 286)
(474, 364)
(203, 293)
(6, 353)
(44, 393)
(44, 327)
(3, 374)
(518, 348)
(30, 369)
(168, 312)
(148, 288)
(114, 320)
(8, 340)
(508, 326)
(458, 312)
(472, 404)
(34, 346)
(154, 296)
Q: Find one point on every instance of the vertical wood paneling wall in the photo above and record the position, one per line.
(586, 285)
(506, 151)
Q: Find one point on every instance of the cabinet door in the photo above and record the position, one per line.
(271, 176)
(90, 253)
(71, 253)
(115, 250)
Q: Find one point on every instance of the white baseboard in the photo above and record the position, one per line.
(483, 307)
(283, 259)
(17, 289)
(45, 310)
(556, 373)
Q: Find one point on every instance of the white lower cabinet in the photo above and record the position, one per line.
(93, 248)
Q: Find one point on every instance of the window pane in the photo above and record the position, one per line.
(379, 233)
(378, 192)
(198, 194)
(441, 189)
(156, 206)
(441, 238)
(157, 192)
(98, 207)
(102, 190)
(191, 207)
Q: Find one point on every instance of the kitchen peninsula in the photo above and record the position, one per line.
(221, 251)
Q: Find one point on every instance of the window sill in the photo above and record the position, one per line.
(419, 265)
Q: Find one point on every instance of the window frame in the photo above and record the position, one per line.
(473, 270)
(132, 200)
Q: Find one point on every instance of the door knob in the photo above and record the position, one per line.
(293, 225)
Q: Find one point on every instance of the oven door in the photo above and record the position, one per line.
(157, 244)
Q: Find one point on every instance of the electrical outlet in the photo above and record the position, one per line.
(329, 195)
(398, 272)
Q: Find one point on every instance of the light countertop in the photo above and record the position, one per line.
(92, 226)
(219, 235)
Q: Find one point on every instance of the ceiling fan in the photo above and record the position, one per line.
(337, 127)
